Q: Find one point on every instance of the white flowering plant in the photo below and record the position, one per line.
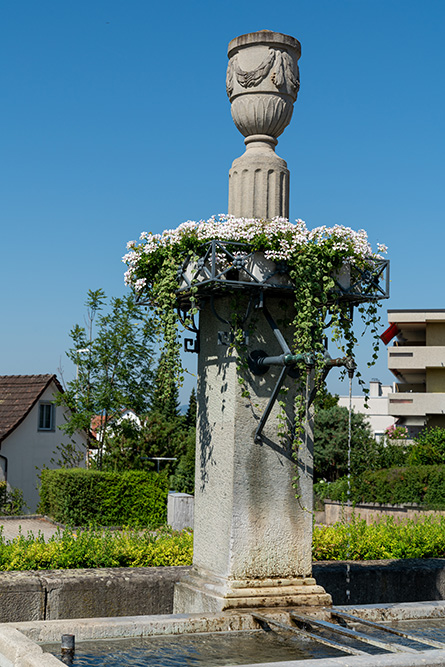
(312, 259)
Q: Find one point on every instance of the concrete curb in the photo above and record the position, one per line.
(52, 594)
(18, 647)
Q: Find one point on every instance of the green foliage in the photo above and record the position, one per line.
(423, 485)
(423, 538)
(79, 497)
(428, 448)
(314, 263)
(165, 391)
(190, 417)
(113, 355)
(394, 432)
(392, 454)
(124, 450)
(11, 501)
(183, 481)
(331, 444)
(97, 548)
(325, 400)
(337, 490)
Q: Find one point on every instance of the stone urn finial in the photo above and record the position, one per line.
(262, 85)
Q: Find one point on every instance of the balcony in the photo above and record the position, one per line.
(416, 404)
(406, 357)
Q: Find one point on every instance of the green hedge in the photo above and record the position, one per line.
(423, 485)
(383, 539)
(79, 497)
(96, 548)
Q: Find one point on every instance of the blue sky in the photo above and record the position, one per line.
(114, 120)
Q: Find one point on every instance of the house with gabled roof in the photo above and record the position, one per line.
(29, 431)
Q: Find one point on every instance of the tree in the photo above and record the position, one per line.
(165, 399)
(331, 444)
(190, 416)
(113, 355)
(428, 447)
(183, 480)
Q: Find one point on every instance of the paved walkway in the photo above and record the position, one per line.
(35, 524)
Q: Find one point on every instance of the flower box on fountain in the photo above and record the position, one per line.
(324, 270)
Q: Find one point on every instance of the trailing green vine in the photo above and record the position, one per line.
(325, 266)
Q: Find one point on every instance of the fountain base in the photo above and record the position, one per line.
(202, 592)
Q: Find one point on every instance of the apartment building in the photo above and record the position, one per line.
(417, 359)
(375, 408)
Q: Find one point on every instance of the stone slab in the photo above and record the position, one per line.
(109, 592)
(87, 593)
(22, 596)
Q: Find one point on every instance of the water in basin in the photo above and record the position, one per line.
(195, 650)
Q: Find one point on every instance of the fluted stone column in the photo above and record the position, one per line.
(262, 85)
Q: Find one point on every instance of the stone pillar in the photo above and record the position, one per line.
(262, 85)
(252, 539)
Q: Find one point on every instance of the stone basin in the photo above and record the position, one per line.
(20, 643)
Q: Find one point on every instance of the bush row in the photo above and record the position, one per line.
(130, 548)
(92, 548)
(423, 485)
(384, 539)
(79, 497)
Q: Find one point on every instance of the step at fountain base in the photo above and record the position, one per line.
(199, 592)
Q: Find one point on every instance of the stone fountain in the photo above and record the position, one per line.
(252, 535)
(253, 524)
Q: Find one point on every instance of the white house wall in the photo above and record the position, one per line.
(376, 413)
(27, 449)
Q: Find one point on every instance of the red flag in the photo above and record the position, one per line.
(389, 334)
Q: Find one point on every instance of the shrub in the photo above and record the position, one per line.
(380, 540)
(423, 485)
(392, 453)
(11, 501)
(394, 432)
(92, 548)
(428, 448)
(79, 497)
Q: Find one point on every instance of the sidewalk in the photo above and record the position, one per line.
(34, 523)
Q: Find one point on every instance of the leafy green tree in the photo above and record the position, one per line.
(331, 444)
(325, 400)
(113, 355)
(165, 399)
(428, 447)
(124, 449)
(183, 480)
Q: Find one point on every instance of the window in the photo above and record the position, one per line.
(46, 416)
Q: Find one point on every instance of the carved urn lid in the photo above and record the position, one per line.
(263, 37)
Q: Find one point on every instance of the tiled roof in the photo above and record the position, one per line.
(18, 394)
